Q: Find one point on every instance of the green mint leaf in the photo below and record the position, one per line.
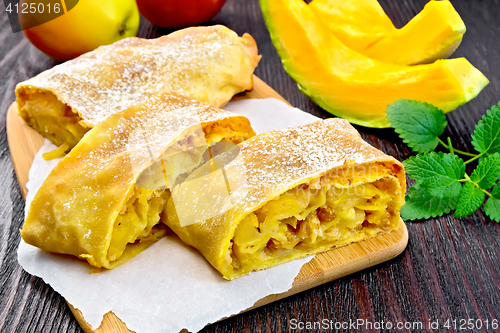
(471, 198)
(492, 205)
(486, 136)
(421, 204)
(492, 209)
(438, 173)
(418, 124)
(481, 159)
(487, 172)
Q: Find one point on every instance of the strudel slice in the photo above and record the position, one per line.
(103, 202)
(210, 64)
(287, 194)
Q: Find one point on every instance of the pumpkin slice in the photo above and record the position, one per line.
(362, 25)
(351, 85)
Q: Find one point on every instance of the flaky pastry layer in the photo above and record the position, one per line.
(210, 64)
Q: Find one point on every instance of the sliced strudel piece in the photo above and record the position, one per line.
(104, 200)
(286, 194)
(210, 64)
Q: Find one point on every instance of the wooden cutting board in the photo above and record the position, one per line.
(24, 143)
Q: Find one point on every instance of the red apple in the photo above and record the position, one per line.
(179, 13)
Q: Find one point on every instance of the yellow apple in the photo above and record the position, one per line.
(90, 24)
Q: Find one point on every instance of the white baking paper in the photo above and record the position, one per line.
(170, 286)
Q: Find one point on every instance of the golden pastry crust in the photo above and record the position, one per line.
(281, 168)
(210, 64)
(90, 200)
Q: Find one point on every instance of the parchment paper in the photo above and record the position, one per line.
(169, 286)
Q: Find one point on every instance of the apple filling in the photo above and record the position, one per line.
(50, 117)
(134, 225)
(312, 218)
(138, 223)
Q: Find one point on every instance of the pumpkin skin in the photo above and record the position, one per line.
(362, 25)
(351, 85)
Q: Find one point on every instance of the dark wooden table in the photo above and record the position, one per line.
(449, 271)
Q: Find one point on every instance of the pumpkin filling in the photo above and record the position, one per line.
(314, 217)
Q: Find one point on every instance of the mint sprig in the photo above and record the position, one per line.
(441, 183)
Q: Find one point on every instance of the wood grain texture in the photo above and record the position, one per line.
(450, 269)
(24, 143)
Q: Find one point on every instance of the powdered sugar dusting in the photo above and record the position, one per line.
(210, 64)
(145, 131)
(274, 162)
